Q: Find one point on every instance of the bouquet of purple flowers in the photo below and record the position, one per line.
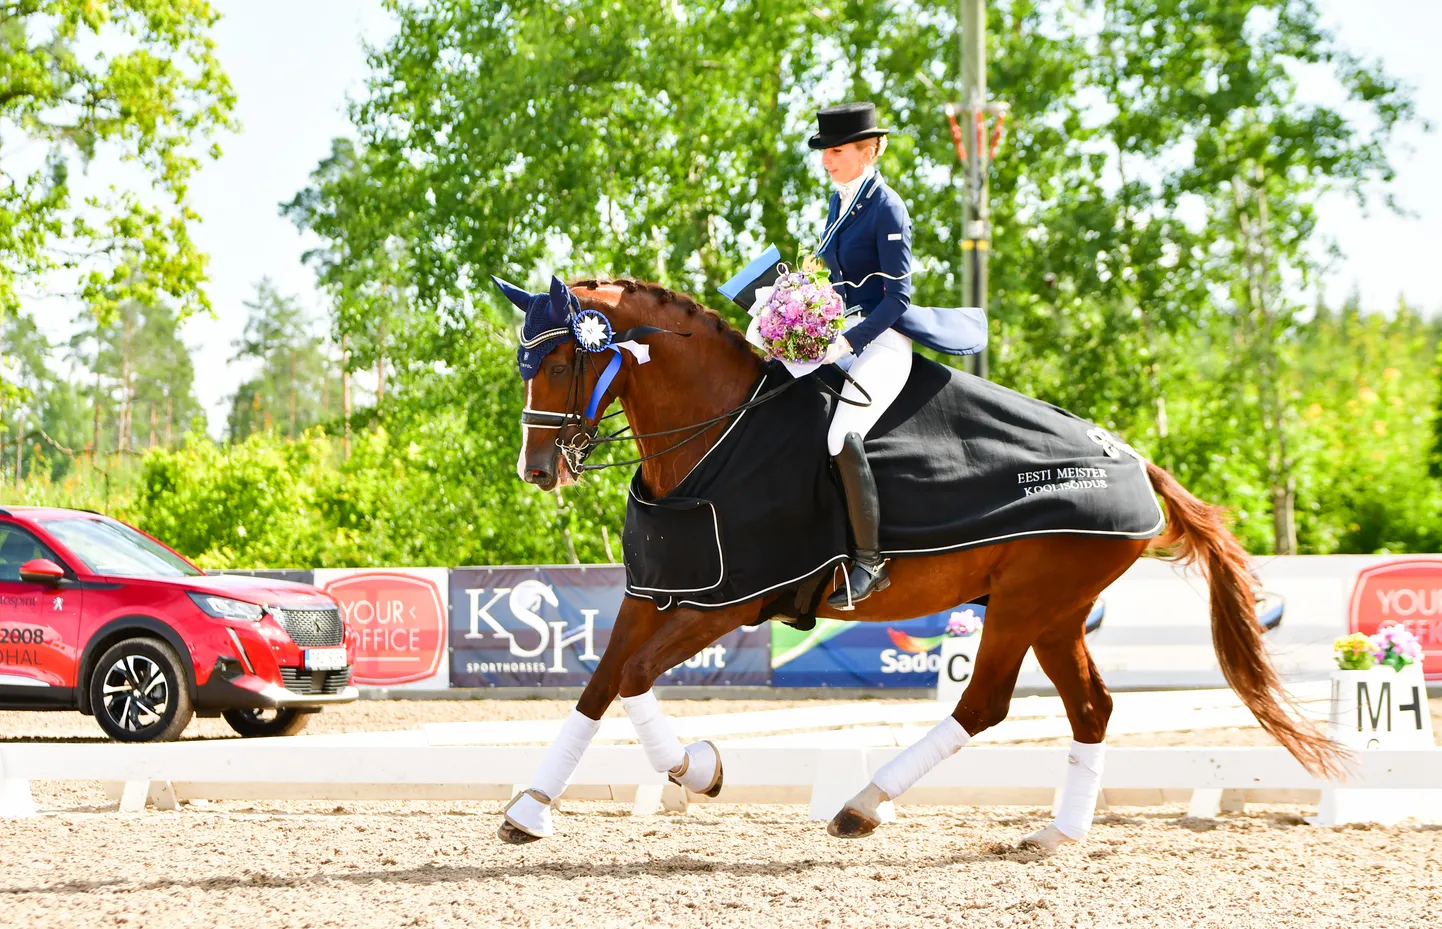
(802, 316)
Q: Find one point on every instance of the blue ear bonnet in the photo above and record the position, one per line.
(550, 320)
(557, 316)
(540, 321)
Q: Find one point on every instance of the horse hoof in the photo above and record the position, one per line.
(512, 834)
(1047, 839)
(715, 789)
(850, 824)
(712, 789)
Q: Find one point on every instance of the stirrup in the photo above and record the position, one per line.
(879, 581)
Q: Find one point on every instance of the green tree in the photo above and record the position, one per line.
(361, 267)
(139, 377)
(134, 78)
(47, 412)
(25, 366)
(1129, 233)
(165, 380)
(294, 388)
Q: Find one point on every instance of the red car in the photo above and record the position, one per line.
(99, 617)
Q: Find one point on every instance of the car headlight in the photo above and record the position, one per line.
(225, 608)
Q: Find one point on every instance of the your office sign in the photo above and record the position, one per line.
(400, 615)
(1408, 593)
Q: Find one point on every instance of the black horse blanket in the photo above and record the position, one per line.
(960, 462)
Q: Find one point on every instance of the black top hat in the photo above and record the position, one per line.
(849, 122)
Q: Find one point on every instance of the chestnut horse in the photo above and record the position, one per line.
(1041, 589)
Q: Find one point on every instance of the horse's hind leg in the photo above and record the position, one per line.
(1005, 637)
(697, 767)
(1062, 652)
(528, 817)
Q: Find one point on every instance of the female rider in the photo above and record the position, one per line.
(867, 248)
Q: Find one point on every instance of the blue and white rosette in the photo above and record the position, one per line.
(592, 330)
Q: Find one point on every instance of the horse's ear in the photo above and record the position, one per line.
(560, 300)
(516, 295)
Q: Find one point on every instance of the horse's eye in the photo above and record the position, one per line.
(558, 369)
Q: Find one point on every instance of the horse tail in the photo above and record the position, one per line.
(1197, 534)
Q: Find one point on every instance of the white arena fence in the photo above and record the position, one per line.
(166, 773)
(818, 755)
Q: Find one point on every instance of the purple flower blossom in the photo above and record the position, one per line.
(1394, 645)
(963, 622)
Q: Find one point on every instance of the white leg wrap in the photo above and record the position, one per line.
(662, 748)
(565, 753)
(1079, 790)
(555, 772)
(944, 740)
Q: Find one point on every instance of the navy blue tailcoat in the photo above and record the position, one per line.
(870, 247)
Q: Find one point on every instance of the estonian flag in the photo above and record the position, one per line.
(760, 273)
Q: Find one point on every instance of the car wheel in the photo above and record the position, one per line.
(263, 723)
(138, 692)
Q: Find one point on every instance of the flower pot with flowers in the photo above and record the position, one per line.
(1379, 696)
(1379, 701)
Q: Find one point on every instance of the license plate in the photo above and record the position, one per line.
(324, 659)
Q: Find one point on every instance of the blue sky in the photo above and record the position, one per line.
(294, 63)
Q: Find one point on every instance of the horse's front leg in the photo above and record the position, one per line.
(1004, 641)
(697, 766)
(528, 816)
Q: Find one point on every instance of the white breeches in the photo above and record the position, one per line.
(882, 368)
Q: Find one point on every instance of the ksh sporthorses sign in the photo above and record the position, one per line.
(401, 617)
(1408, 593)
(533, 627)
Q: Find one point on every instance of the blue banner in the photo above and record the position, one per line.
(548, 627)
(838, 653)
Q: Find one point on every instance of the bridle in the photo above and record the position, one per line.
(582, 442)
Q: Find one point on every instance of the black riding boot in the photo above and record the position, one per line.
(868, 571)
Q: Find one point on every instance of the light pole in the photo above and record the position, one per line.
(976, 152)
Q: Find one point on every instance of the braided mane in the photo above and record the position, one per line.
(671, 298)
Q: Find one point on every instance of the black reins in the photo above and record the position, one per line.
(583, 442)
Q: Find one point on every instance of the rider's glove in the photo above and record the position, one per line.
(836, 351)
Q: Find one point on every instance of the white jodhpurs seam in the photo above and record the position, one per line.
(1080, 788)
(882, 368)
(564, 754)
(944, 740)
(658, 740)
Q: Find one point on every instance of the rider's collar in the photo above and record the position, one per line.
(851, 188)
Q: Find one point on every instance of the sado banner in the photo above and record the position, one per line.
(842, 653)
(1406, 592)
(401, 616)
